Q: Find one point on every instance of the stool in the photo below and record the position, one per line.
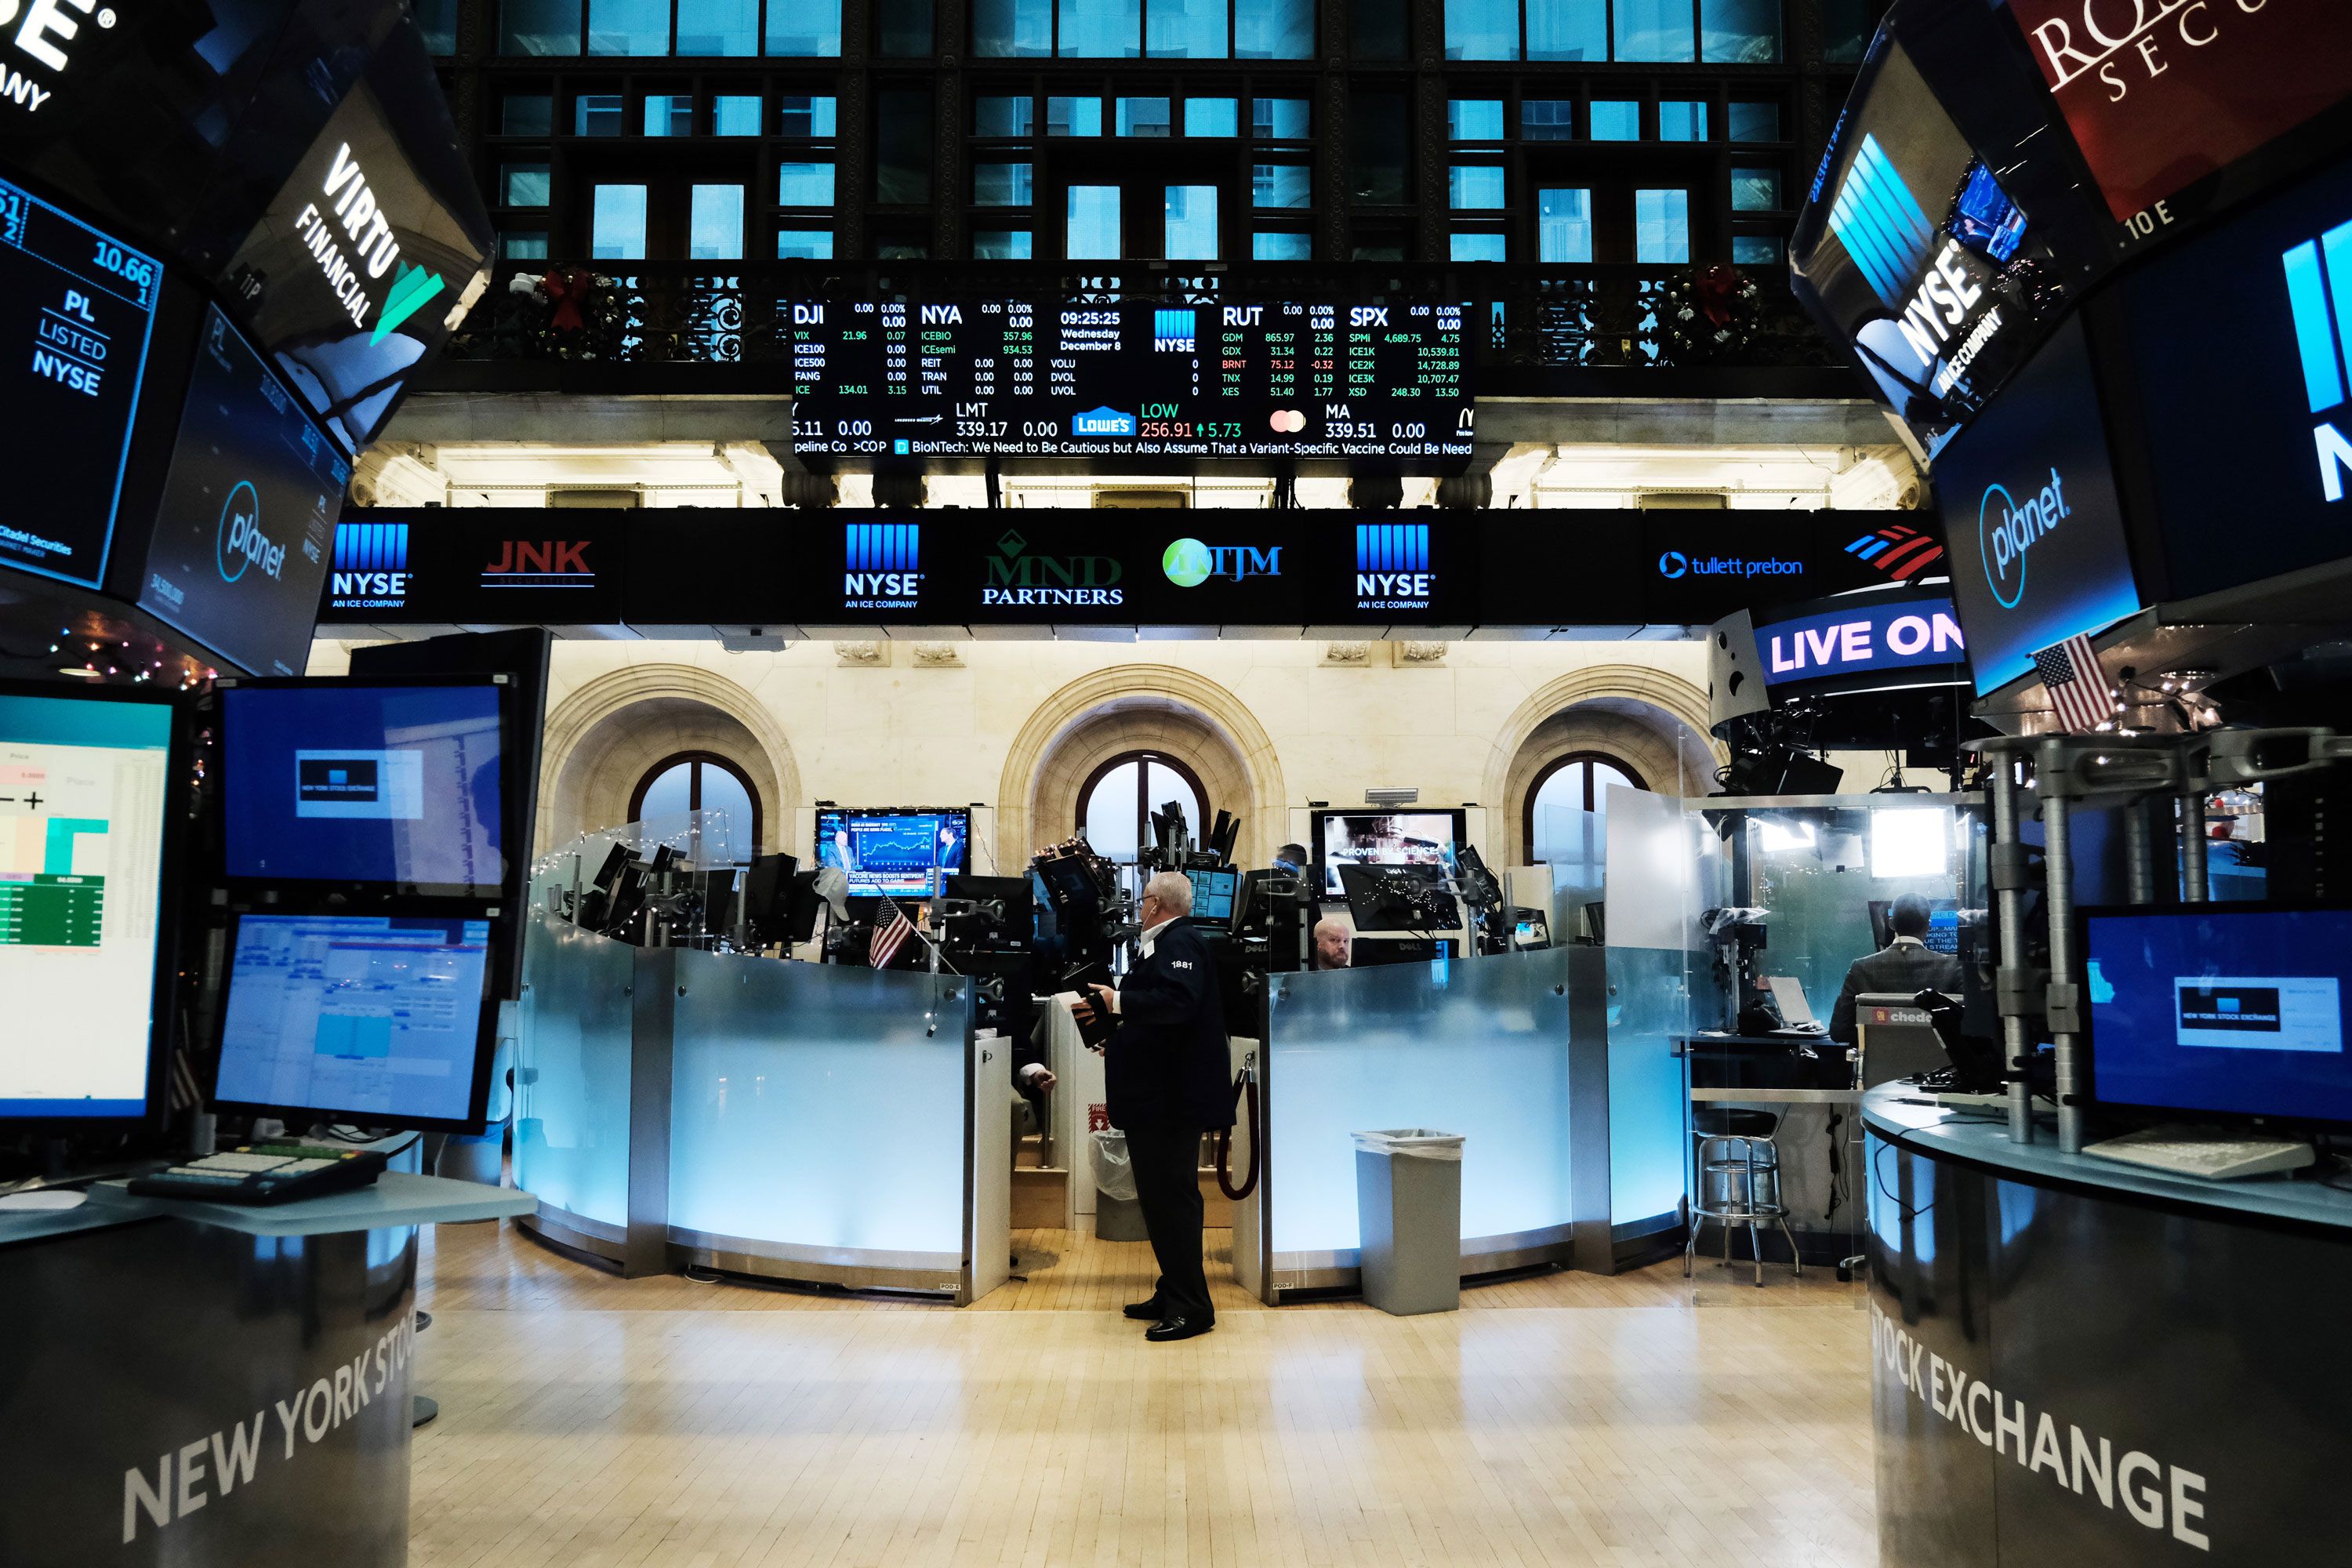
(1738, 1181)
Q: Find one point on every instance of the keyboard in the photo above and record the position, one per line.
(2205, 1152)
(264, 1173)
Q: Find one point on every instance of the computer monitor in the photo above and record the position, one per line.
(381, 1020)
(1409, 899)
(2221, 1011)
(897, 853)
(1943, 924)
(1213, 892)
(394, 787)
(91, 816)
(1383, 838)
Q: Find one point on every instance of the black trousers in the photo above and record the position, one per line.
(1168, 1187)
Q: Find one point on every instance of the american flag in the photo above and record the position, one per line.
(2077, 684)
(890, 936)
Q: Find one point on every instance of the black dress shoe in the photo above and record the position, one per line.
(1144, 1311)
(1159, 1333)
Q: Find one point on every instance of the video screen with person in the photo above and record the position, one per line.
(902, 854)
(1383, 838)
(339, 782)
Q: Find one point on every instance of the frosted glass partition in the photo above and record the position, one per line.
(700, 839)
(817, 1114)
(1575, 844)
(572, 1075)
(1661, 871)
(1477, 1046)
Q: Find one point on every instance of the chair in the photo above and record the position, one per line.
(1738, 1181)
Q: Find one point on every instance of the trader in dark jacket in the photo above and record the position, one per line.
(1906, 965)
(1168, 1072)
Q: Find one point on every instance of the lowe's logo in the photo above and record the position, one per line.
(2006, 527)
(1392, 566)
(2318, 273)
(371, 566)
(882, 565)
(1102, 422)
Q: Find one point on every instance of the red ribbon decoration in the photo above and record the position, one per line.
(565, 290)
(1715, 290)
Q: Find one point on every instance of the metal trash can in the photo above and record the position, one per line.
(1119, 1216)
(1408, 1215)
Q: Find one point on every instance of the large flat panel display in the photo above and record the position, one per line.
(390, 786)
(902, 853)
(248, 512)
(2238, 341)
(1016, 379)
(80, 308)
(2037, 534)
(1407, 837)
(85, 789)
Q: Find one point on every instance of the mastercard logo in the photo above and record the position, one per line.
(1287, 421)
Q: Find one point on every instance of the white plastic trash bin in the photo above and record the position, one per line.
(1408, 1215)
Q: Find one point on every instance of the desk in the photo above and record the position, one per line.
(1807, 1079)
(202, 1382)
(2149, 1369)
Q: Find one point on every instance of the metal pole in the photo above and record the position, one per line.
(2195, 888)
(2058, 898)
(2010, 904)
(2139, 854)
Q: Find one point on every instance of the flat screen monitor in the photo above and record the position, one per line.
(247, 526)
(382, 1020)
(89, 789)
(379, 786)
(1213, 891)
(2224, 1010)
(1943, 924)
(901, 853)
(1407, 837)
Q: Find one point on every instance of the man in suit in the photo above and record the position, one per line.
(1167, 1073)
(1906, 965)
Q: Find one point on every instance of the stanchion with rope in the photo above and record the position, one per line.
(1245, 1090)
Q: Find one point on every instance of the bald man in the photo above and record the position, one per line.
(1168, 1072)
(1333, 943)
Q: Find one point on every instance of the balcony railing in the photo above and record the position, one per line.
(1532, 325)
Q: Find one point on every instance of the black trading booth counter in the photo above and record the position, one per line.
(2079, 1361)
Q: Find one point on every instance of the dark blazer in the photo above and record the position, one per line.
(1899, 967)
(1167, 1063)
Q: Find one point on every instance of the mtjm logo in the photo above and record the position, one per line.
(2318, 273)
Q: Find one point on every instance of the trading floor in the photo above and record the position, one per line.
(1563, 1418)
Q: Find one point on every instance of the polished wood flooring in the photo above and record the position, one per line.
(1558, 1419)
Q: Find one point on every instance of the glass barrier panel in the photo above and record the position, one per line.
(572, 1071)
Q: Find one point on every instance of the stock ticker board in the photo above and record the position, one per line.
(1010, 379)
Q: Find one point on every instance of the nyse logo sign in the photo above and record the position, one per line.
(371, 567)
(2318, 275)
(1392, 570)
(1930, 290)
(881, 565)
(44, 31)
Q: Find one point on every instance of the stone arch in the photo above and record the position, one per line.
(1127, 708)
(1656, 720)
(601, 738)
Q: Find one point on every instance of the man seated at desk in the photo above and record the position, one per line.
(1905, 965)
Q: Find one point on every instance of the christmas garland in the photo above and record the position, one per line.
(1706, 313)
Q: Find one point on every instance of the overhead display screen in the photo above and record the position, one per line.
(1861, 635)
(248, 512)
(1014, 379)
(487, 566)
(903, 854)
(2029, 507)
(2238, 339)
(78, 310)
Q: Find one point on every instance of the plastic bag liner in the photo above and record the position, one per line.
(1114, 1172)
(1416, 1142)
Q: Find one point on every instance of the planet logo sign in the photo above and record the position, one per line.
(241, 544)
(1187, 563)
(1392, 570)
(2318, 275)
(371, 567)
(881, 565)
(1901, 553)
(2007, 528)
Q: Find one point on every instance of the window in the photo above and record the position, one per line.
(1474, 120)
(1478, 246)
(1845, 28)
(628, 27)
(805, 245)
(1143, 116)
(1653, 30)
(1211, 117)
(1376, 29)
(1000, 245)
(1274, 29)
(527, 114)
(1567, 30)
(523, 185)
(1001, 184)
(700, 780)
(1580, 782)
(1739, 32)
(617, 231)
(1116, 805)
(902, 147)
(522, 244)
(1661, 226)
(1380, 135)
(1003, 116)
(669, 114)
(1191, 223)
(735, 115)
(804, 27)
(597, 114)
(802, 115)
(718, 26)
(804, 185)
(902, 28)
(1547, 119)
(1074, 117)
(1482, 29)
(539, 27)
(1281, 244)
(1682, 119)
(1281, 186)
(715, 224)
(1754, 122)
(1101, 29)
(1006, 29)
(437, 19)
(1564, 225)
(1616, 120)
(1755, 190)
(1280, 119)
(1091, 231)
(1755, 249)
(1474, 186)
(1188, 29)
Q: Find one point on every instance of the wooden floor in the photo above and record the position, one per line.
(1564, 1419)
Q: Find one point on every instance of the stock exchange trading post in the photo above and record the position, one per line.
(1011, 379)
